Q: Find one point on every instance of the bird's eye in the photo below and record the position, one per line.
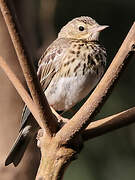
(81, 28)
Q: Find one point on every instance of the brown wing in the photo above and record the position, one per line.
(50, 62)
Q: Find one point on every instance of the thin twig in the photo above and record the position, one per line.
(83, 117)
(21, 90)
(47, 119)
(109, 124)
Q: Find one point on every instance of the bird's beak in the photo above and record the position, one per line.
(99, 28)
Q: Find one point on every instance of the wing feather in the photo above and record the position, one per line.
(50, 62)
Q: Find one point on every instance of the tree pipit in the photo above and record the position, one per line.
(68, 70)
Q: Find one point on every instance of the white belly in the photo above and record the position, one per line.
(68, 91)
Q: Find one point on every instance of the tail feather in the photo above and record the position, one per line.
(18, 149)
(27, 132)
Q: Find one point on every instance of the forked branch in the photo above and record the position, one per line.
(56, 156)
(95, 129)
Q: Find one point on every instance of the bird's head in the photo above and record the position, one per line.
(82, 27)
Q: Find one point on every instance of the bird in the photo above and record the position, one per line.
(68, 70)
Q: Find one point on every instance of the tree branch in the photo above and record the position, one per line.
(95, 129)
(47, 119)
(21, 90)
(57, 152)
(83, 117)
(109, 124)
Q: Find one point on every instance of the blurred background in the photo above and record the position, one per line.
(109, 157)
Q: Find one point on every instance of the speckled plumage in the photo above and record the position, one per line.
(77, 68)
(68, 70)
(72, 65)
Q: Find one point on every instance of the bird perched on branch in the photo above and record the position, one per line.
(68, 70)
